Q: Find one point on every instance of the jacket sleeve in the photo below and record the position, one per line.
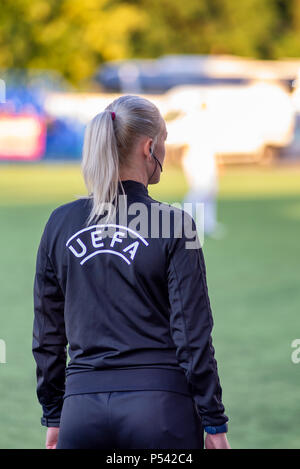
(191, 325)
(49, 338)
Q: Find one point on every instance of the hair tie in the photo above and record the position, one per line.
(113, 116)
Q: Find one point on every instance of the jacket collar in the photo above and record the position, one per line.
(133, 187)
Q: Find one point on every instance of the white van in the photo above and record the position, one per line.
(248, 122)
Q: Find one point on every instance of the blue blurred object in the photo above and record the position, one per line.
(21, 98)
(64, 139)
(159, 75)
(26, 92)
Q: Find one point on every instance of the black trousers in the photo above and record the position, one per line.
(130, 420)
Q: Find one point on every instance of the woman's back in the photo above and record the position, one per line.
(114, 281)
(121, 279)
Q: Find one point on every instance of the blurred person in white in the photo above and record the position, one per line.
(200, 167)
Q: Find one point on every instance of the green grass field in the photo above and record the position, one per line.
(254, 286)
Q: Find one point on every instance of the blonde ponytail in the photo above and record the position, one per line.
(108, 139)
(100, 163)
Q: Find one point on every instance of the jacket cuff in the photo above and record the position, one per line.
(50, 422)
(213, 430)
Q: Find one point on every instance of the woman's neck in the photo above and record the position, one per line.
(134, 176)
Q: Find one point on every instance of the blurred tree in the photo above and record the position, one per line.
(243, 28)
(71, 36)
(75, 37)
(287, 43)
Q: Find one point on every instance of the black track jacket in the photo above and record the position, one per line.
(133, 310)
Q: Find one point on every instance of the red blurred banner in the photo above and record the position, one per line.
(22, 137)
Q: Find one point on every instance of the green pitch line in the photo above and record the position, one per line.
(46, 183)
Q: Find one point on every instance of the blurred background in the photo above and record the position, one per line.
(226, 78)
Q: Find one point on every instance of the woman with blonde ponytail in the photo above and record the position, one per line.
(110, 139)
(121, 286)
